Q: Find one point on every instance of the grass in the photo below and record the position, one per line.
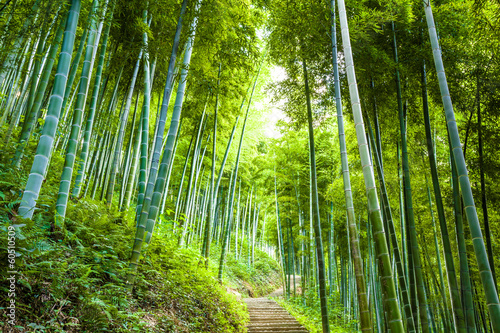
(307, 312)
(250, 280)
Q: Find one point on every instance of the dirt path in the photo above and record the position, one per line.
(267, 316)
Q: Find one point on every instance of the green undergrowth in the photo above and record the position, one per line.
(248, 279)
(307, 311)
(73, 279)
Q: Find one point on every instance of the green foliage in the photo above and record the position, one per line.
(73, 280)
(257, 280)
(306, 309)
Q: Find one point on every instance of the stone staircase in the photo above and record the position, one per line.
(266, 316)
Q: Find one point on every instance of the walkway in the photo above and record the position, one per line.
(267, 316)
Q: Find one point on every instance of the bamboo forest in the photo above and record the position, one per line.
(249, 166)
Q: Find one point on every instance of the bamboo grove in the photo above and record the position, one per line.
(378, 190)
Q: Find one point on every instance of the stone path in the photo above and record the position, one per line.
(267, 316)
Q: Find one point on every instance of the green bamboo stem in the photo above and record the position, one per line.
(166, 158)
(181, 182)
(231, 191)
(484, 204)
(93, 106)
(210, 216)
(223, 164)
(7, 22)
(470, 209)
(170, 167)
(316, 213)
(302, 247)
(243, 223)
(365, 315)
(144, 205)
(128, 158)
(14, 88)
(237, 224)
(94, 163)
(29, 121)
(292, 254)
(171, 137)
(63, 137)
(409, 213)
(195, 196)
(133, 167)
(226, 228)
(456, 303)
(100, 163)
(123, 124)
(465, 281)
(71, 148)
(226, 154)
(310, 252)
(410, 325)
(44, 148)
(254, 234)
(75, 63)
(108, 165)
(189, 196)
(34, 77)
(386, 275)
(143, 161)
(281, 249)
(18, 42)
(438, 254)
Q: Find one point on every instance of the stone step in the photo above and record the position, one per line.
(274, 325)
(275, 318)
(272, 320)
(284, 316)
(302, 330)
(269, 313)
(277, 329)
(266, 316)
